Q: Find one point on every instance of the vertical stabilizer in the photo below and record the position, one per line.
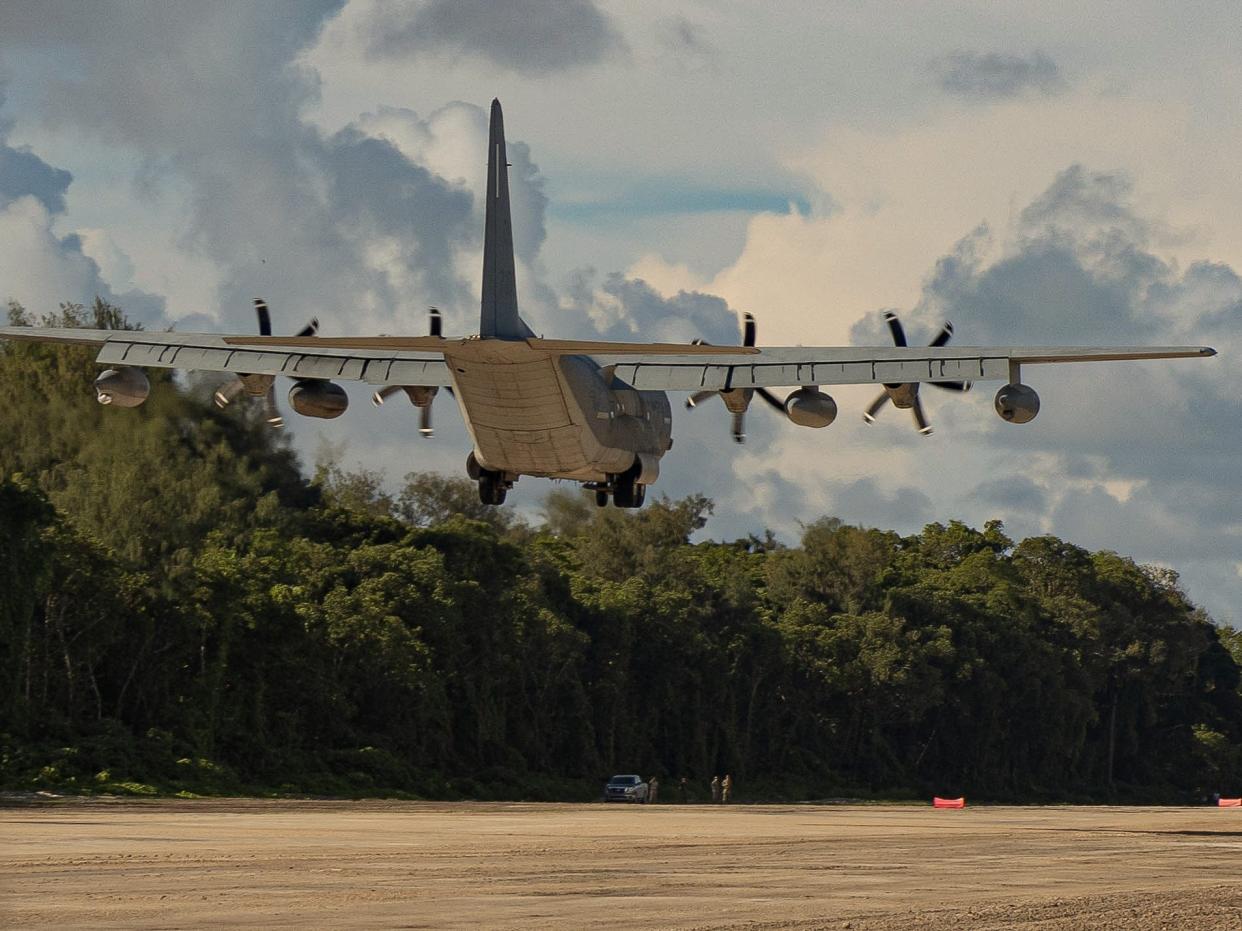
(499, 319)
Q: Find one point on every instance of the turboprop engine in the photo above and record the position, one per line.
(314, 398)
(810, 407)
(1017, 403)
(124, 387)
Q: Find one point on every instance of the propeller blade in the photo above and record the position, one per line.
(895, 327)
(227, 392)
(945, 334)
(748, 329)
(437, 321)
(874, 409)
(919, 418)
(310, 329)
(698, 398)
(424, 420)
(951, 385)
(265, 318)
(739, 428)
(384, 394)
(772, 399)
(274, 419)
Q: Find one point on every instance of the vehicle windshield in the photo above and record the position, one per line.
(624, 781)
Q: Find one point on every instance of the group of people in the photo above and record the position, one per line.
(722, 789)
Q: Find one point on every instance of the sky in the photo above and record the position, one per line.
(1057, 173)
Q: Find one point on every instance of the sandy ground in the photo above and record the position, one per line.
(211, 863)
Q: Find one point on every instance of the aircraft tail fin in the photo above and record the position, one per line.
(499, 318)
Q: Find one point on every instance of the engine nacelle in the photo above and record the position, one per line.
(123, 387)
(903, 396)
(1017, 403)
(322, 399)
(809, 407)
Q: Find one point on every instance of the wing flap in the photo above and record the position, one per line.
(695, 376)
(789, 366)
(209, 352)
(407, 372)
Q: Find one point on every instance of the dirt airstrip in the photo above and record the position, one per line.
(271, 864)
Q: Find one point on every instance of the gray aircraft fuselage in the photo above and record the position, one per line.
(535, 413)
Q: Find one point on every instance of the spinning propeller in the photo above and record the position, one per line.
(737, 400)
(420, 396)
(260, 385)
(907, 395)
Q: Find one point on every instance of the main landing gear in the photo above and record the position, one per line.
(493, 486)
(625, 490)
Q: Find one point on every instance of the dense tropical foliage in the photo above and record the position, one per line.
(180, 609)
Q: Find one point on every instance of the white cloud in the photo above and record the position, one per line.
(37, 269)
(906, 191)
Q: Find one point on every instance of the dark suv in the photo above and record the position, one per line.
(626, 789)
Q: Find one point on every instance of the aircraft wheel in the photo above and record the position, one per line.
(601, 499)
(640, 495)
(623, 494)
(491, 489)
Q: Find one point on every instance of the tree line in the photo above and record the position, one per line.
(181, 609)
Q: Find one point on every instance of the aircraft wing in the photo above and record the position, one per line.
(375, 361)
(419, 360)
(770, 367)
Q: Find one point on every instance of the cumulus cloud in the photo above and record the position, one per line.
(370, 223)
(449, 142)
(1012, 493)
(40, 268)
(341, 225)
(981, 76)
(629, 309)
(23, 173)
(531, 37)
(867, 502)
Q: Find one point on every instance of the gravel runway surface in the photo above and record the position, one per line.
(279, 864)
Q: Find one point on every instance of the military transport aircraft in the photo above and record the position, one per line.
(591, 412)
